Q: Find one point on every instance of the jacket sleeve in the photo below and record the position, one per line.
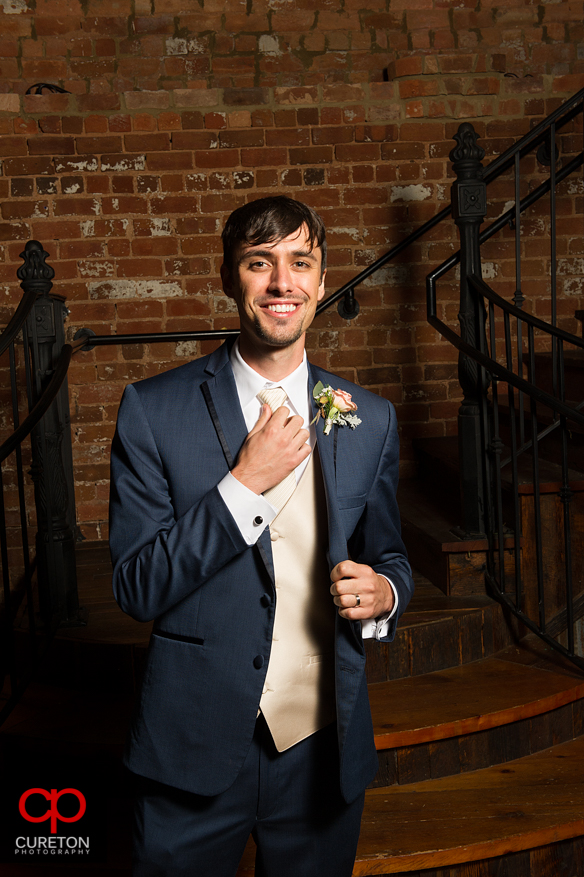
(159, 559)
(377, 538)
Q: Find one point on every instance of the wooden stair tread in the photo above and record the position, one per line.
(525, 803)
(465, 699)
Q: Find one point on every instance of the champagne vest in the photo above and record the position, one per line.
(299, 691)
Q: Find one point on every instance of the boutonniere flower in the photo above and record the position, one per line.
(335, 406)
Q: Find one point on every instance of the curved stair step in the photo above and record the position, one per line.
(527, 803)
(465, 699)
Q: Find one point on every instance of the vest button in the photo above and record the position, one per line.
(258, 662)
(265, 600)
(274, 536)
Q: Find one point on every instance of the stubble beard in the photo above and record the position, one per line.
(274, 339)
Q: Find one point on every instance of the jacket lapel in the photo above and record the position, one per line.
(220, 394)
(327, 445)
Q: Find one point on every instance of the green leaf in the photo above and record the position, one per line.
(318, 390)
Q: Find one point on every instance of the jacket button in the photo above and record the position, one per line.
(274, 535)
(258, 662)
(265, 600)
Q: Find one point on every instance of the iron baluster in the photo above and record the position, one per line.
(513, 461)
(518, 297)
(553, 255)
(468, 209)
(536, 491)
(52, 475)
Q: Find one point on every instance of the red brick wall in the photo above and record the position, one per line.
(176, 117)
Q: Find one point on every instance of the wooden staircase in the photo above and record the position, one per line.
(478, 737)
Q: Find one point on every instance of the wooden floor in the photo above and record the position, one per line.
(470, 782)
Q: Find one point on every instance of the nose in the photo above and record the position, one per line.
(281, 279)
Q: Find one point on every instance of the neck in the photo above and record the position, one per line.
(272, 363)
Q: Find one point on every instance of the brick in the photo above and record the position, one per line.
(156, 161)
(357, 152)
(95, 124)
(14, 231)
(173, 204)
(409, 88)
(247, 137)
(324, 135)
(194, 140)
(137, 100)
(288, 137)
(245, 97)
(22, 209)
(122, 162)
(311, 155)
(9, 103)
(95, 102)
(19, 167)
(147, 142)
(98, 145)
(144, 122)
(119, 123)
(216, 158)
(75, 206)
(196, 97)
(15, 146)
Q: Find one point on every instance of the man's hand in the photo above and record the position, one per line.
(350, 579)
(274, 448)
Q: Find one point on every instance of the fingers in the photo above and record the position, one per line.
(265, 415)
(359, 592)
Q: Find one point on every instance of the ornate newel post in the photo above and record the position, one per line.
(469, 205)
(52, 465)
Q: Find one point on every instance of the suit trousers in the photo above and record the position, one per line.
(290, 802)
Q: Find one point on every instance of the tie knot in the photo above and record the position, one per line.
(272, 396)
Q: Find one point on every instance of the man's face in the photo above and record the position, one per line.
(276, 287)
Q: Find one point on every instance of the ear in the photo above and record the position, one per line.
(226, 281)
(320, 294)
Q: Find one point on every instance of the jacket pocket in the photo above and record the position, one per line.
(177, 637)
(352, 502)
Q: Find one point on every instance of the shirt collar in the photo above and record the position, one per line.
(249, 382)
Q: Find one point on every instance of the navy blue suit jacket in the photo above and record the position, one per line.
(180, 559)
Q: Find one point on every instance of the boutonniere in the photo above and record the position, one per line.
(334, 406)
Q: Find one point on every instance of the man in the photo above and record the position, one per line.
(238, 526)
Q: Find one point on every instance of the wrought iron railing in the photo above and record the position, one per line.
(37, 372)
(45, 358)
(527, 480)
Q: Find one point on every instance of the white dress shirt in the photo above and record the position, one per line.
(252, 513)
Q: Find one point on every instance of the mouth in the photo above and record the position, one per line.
(281, 310)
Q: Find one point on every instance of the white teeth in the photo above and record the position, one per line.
(282, 309)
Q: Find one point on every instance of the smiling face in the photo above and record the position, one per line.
(276, 288)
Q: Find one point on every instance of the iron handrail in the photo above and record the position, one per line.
(479, 284)
(504, 374)
(569, 109)
(17, 320)
(43, 402)
(508, 216)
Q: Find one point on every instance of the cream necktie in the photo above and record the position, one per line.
(278, 495)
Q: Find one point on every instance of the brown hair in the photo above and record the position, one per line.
(268, 220)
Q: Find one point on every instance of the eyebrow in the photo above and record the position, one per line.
(253, 254)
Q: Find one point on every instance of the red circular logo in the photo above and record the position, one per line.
(53, 811)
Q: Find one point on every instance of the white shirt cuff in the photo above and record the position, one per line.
(377, 628)
(252, 513)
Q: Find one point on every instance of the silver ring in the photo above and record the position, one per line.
(358, 599)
